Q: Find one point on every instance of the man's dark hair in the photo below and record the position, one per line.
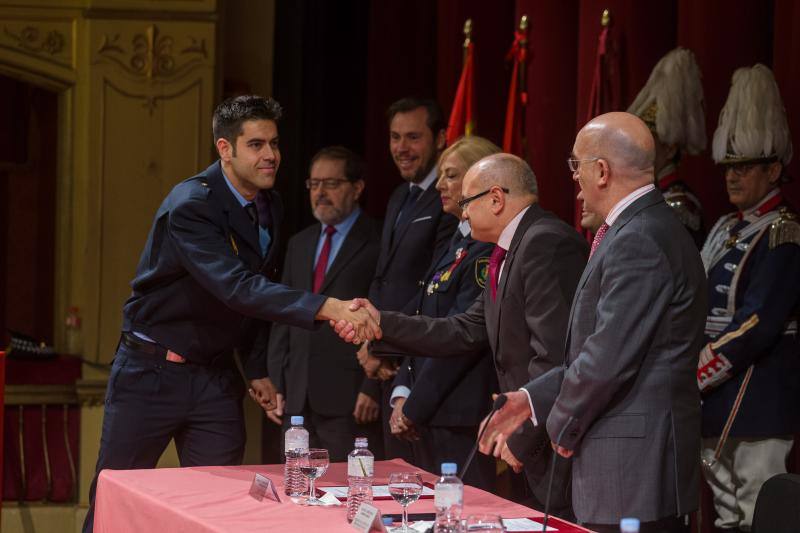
(435, 120)
(353, 164)
(231, 113)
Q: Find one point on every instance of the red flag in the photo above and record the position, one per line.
(517, 98)
(603, 96)
(462, 121)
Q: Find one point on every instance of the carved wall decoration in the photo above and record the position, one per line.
(153, 55)
(50, 41)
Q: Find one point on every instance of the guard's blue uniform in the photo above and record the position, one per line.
(753, 267)
(200, 291)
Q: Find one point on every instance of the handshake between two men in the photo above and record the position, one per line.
(361, 326)
(495, 429)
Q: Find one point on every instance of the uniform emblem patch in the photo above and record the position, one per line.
(481, 271)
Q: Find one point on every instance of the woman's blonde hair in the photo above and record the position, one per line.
(470, 150)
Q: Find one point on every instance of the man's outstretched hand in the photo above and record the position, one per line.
(353, 322)
(505, 421)
(346, 329)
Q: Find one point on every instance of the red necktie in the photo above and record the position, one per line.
(601, 232)
(495, 260)
(322, 262)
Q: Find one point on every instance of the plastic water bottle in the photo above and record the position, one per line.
(629, 525)
(295, 445)
(360, 469)
(448, 498)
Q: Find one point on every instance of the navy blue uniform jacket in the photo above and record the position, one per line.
(451, 392)
(199, 288)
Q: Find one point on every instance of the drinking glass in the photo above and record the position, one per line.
(485, 523)
(405, 488)
(314, 464)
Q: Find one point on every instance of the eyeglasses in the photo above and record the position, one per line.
(742, 169)
(462, 204)
(329, 184)
(574, 164)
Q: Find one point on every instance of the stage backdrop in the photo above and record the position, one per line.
(415, 48)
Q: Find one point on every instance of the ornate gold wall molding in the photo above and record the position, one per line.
(154, 55)
(50, 41)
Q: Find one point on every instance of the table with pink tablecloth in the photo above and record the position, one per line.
(217, 499)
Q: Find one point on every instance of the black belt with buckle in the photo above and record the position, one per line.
(129, 340)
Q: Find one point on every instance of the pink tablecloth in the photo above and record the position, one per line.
(216, 499)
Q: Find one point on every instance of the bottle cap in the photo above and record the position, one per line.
(361, 442)
(629, 524)
(297, 420)
(449, 469)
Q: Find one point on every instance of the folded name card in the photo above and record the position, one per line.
(367, 518)
(263, 487)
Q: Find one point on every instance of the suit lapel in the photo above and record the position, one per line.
(533, 214)
(651, 198)
(427, 197)
(304, 263)
(355, 240)
(392, 211)
(238, 220)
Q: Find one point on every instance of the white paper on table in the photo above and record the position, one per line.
(378, 491)
(524, 524)
(329, 499)
(421, 526)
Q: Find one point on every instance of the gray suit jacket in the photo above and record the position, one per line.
(524, 325)
(626, 401)
(316, 366)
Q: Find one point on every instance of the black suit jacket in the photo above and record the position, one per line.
(407, 251)
(454, 392)
(525, 325)
(200, 280)
(316, 365)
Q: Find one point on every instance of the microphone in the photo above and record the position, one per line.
(552, 472)
(499, 402)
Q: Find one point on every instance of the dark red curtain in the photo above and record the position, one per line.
(551, 82)
(724, 35)
(402, 61)
(786, 63)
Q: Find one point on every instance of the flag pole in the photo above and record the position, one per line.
(523, 90)
(467, 39)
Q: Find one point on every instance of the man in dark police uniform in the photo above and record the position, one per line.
(199, 293)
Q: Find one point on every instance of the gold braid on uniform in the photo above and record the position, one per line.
(786, 229)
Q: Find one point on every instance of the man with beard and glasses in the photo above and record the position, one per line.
(316, 374)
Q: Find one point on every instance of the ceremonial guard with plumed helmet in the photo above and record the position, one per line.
(749, 369)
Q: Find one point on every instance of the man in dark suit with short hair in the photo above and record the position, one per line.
(315, 373)
(415, 229)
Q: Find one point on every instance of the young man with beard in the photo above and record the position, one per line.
(415, 229)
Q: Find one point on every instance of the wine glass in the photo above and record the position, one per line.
(314, 464)
(485, 523)
(405, 488)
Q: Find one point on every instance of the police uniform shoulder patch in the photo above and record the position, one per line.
(481, 271)
(785, 229)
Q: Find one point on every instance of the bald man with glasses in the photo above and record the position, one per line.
(523, 311)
